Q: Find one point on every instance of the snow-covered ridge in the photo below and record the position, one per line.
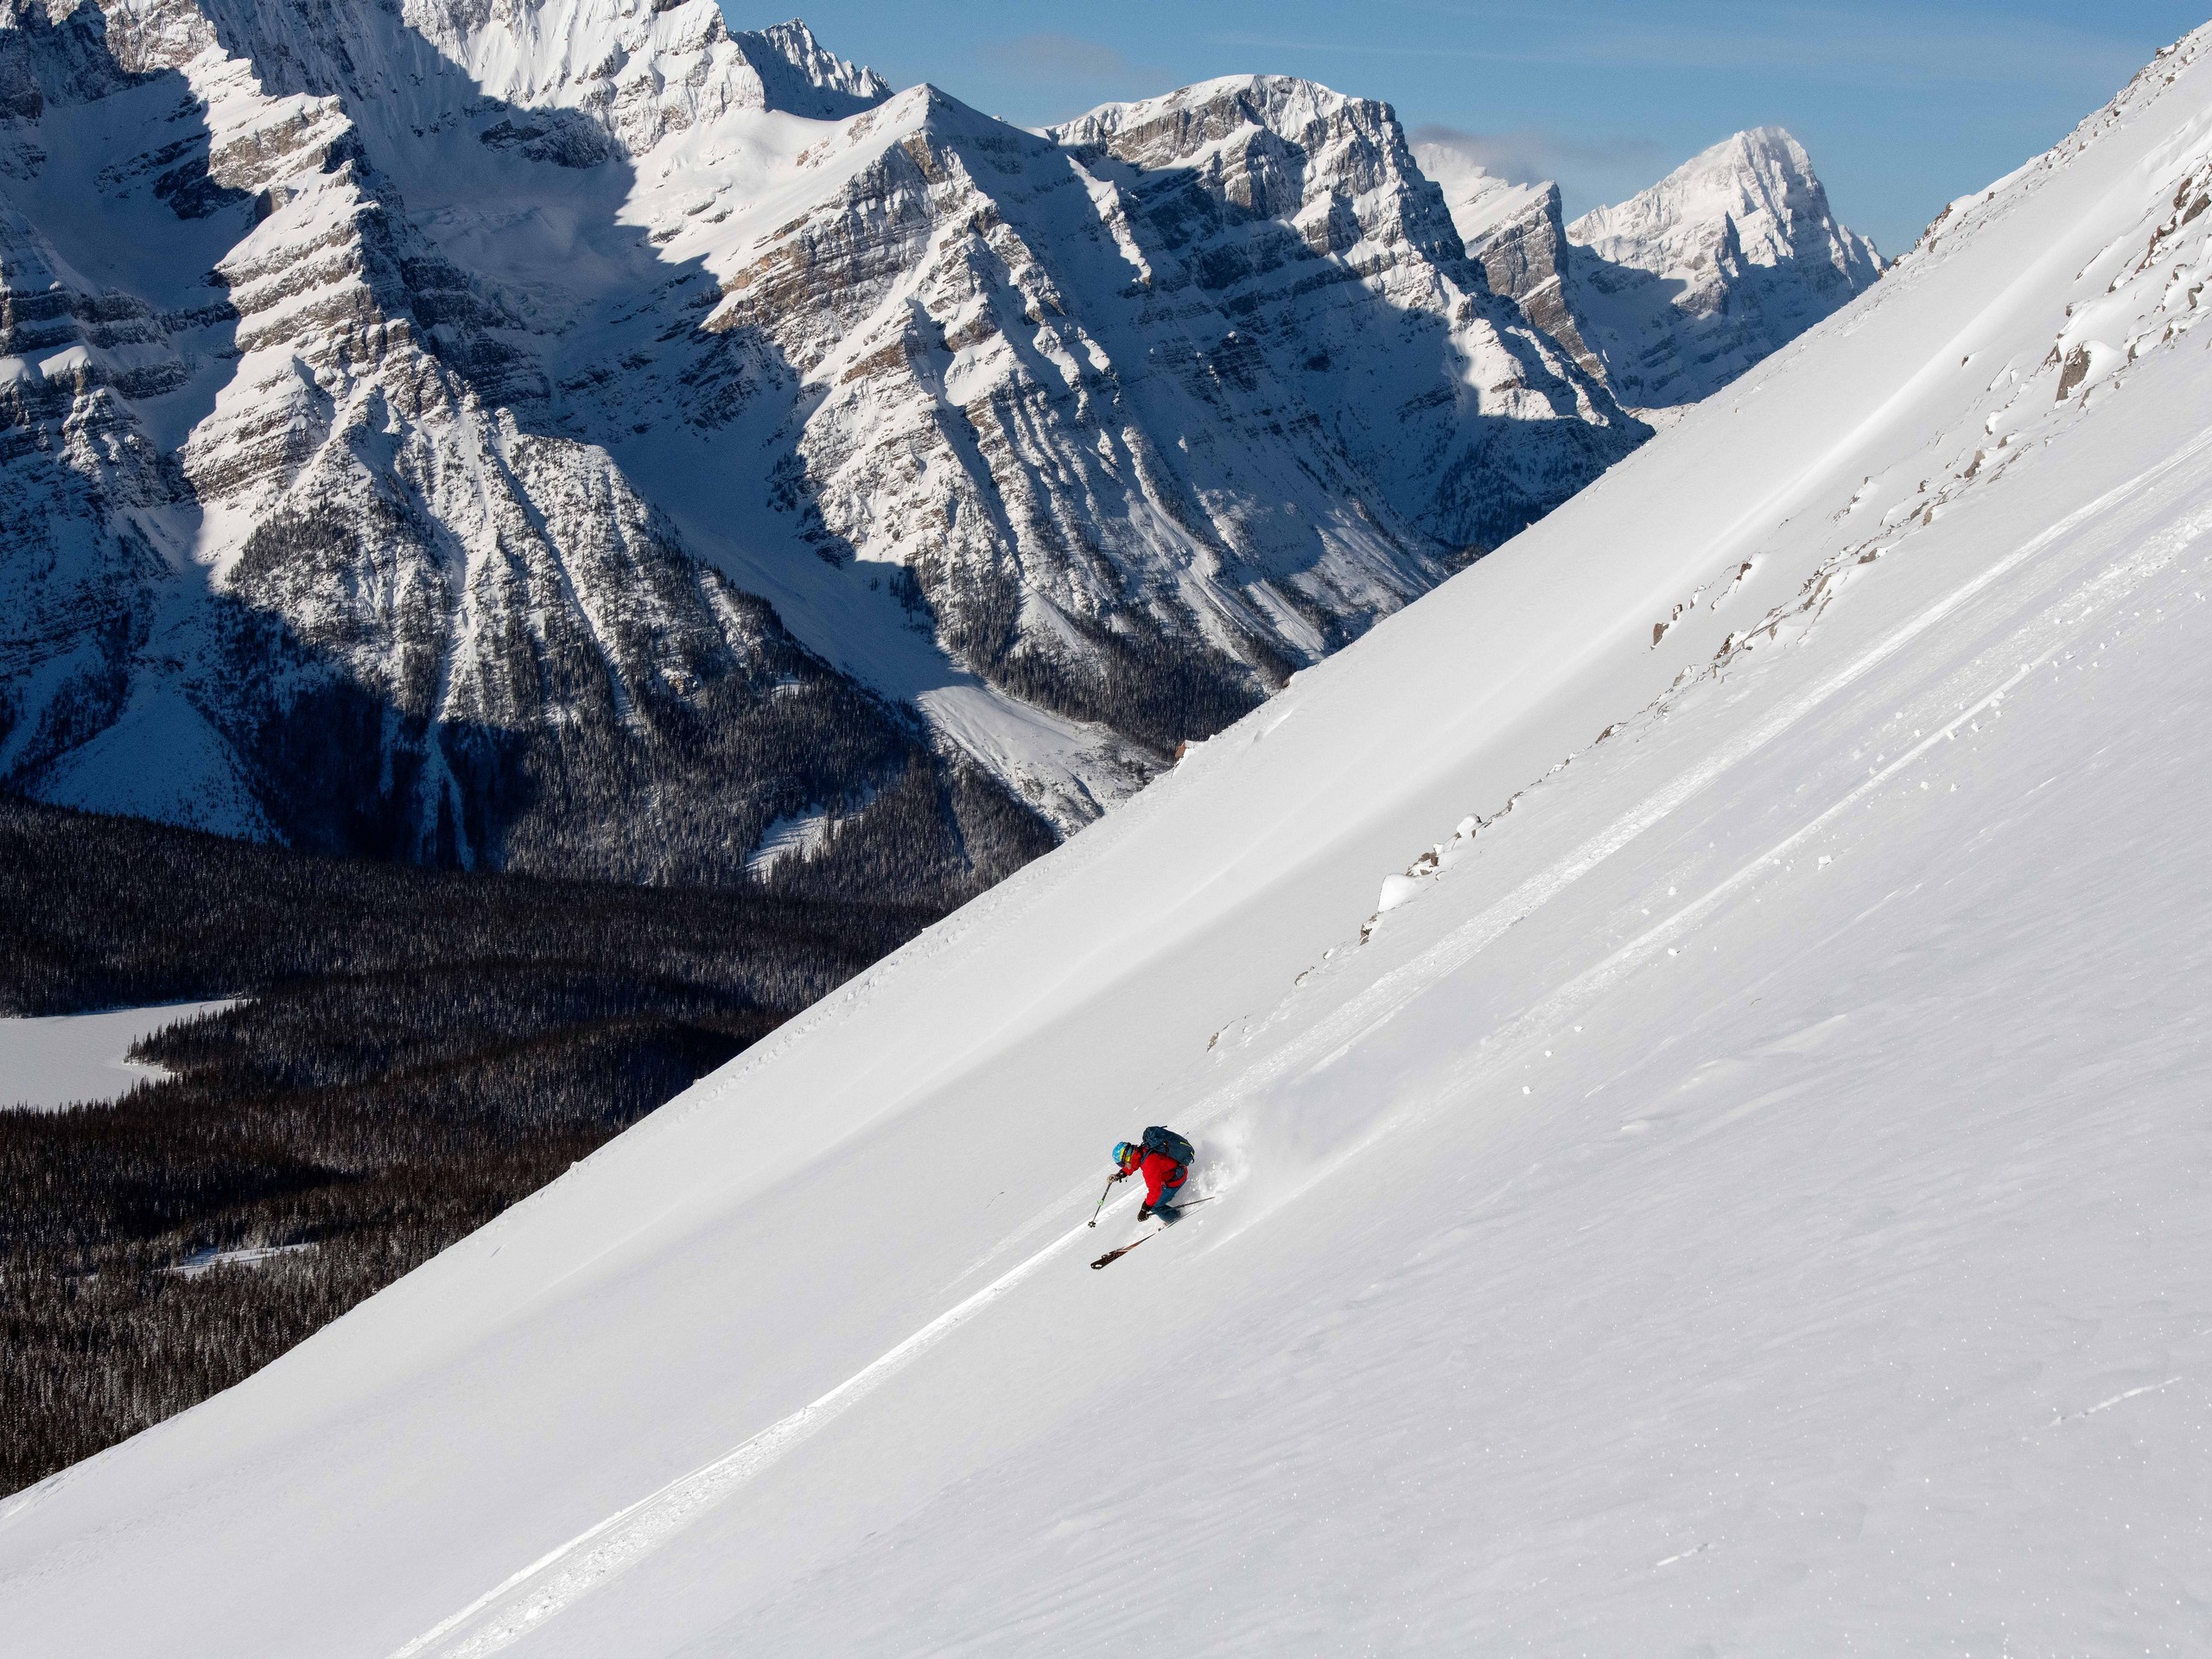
(644, 71)
(799, 74)
(2000, 197)
(1756, 191)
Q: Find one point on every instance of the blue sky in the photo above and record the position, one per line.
(1903, 105)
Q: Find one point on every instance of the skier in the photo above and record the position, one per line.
(1163, 1158)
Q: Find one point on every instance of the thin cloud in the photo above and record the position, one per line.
(1588, 169)
(1529, 156)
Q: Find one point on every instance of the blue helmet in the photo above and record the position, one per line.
(1127, 1153)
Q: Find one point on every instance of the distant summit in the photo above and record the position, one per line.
(801, 76)
(1670, 295)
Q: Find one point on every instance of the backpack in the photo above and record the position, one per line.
(1169, 1144)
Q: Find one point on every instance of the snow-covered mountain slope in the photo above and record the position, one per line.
(1670, 295)
(572, 435)
(1818, 1342)
(1299, 221)
(1701, 1067)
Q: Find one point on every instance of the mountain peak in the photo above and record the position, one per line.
(1725, 260)
(801, 76)
(1207, 112)
(641, 72)
(1668, 295)
(1761, 183)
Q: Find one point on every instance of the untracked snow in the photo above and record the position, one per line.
(1746, 1194)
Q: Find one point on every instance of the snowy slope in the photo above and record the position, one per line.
(1744, 1194)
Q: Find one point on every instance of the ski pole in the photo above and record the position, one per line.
(1110, 1179)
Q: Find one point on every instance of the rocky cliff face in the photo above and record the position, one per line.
(571, 436)
(1516, 233)
(295, 557)
(1670, 295)
(1300, 216)
(1140, 415)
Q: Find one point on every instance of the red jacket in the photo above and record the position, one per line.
(1161, 1175)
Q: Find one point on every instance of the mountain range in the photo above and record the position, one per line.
(577, 437)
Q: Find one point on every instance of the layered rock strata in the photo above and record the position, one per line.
(568, 435)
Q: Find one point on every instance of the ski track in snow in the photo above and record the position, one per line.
(2116, 1400)
(572, 1570)
(566, 1574)
(1392, 994)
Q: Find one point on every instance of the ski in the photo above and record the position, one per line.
(1115, 1255)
